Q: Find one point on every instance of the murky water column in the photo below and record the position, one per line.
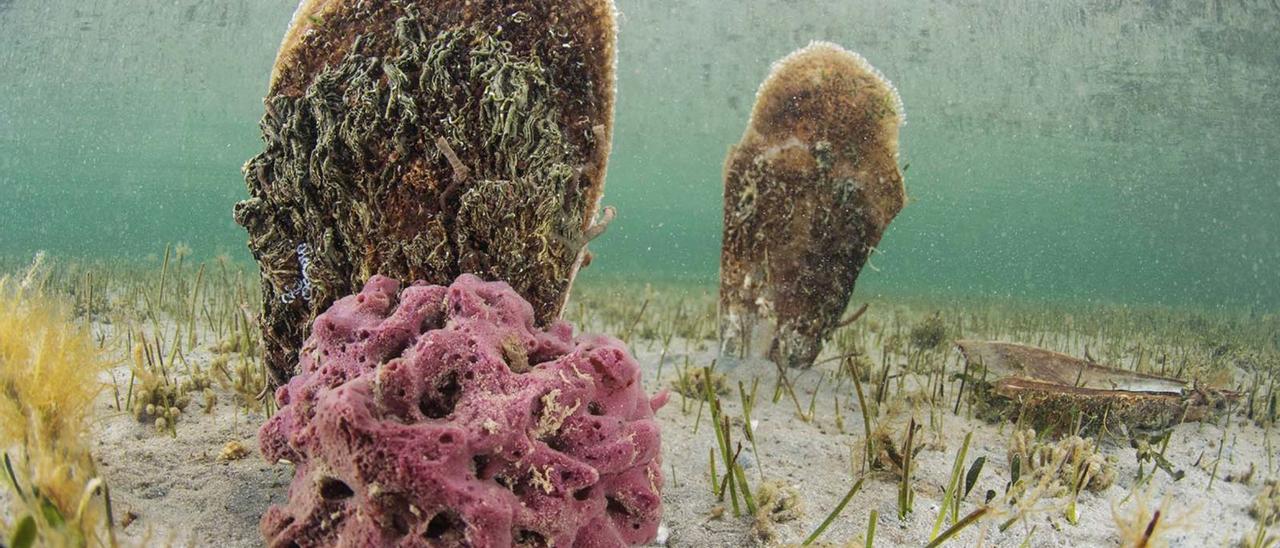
(1070, 149)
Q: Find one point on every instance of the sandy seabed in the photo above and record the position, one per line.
(176, 490)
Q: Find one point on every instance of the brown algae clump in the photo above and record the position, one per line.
(808, 193)
(776, 502)
(425, 139)
(929, 334)
(1074, 463)
(161, 398)
(693, 383)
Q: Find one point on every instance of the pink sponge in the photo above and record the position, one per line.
(443, 417)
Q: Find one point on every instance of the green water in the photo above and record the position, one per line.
(1121, 151)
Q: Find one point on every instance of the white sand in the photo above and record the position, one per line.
(178, 489)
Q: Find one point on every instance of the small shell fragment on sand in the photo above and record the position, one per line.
(233, 450)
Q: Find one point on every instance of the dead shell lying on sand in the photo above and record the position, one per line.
(1051, 390)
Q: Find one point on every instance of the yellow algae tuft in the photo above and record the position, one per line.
(49, 370)
(1147, 526)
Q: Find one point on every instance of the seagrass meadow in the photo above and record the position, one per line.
(869, 273)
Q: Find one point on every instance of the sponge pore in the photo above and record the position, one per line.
(442, 416)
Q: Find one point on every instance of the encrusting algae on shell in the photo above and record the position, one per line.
(808, 193)
(423, 139)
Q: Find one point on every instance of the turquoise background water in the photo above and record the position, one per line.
(1066, 149)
